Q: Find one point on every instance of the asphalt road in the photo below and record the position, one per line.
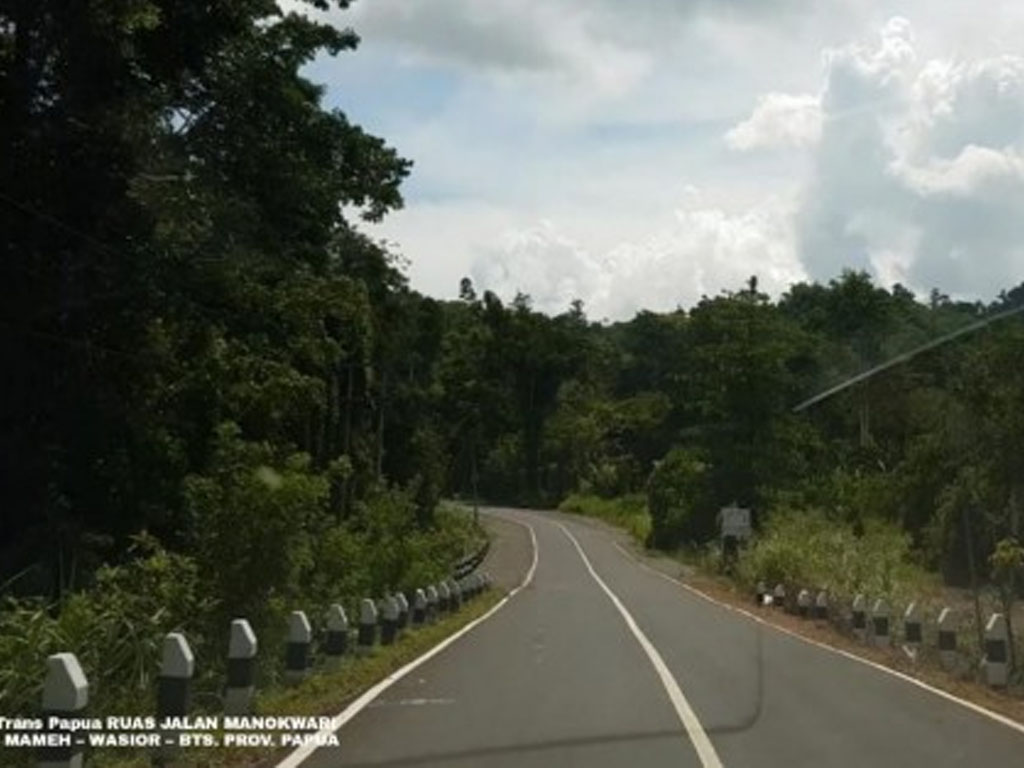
(599, 662)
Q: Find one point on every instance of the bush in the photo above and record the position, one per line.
(628, 512)
(255, 519)
(676, 494)
(809, 549)
(264, 546)
(115, 629)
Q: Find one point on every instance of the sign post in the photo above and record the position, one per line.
(734, 527)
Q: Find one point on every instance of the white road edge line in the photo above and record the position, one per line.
(699, 739)
(977, 708)
(300, 754)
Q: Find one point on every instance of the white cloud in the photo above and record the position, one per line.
(598, 116)
(980, 173)
(919, 171)
(702, 251)
(779, 119)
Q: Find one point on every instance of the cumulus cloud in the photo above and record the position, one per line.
(702, 251)
(916, 173)
(895, 155)
(779, 119)
(918, 170)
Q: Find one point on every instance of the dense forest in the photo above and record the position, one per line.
(204, 356)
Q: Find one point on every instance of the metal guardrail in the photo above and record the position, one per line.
(470, 563)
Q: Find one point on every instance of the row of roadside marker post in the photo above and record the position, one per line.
(381, 622)
(872, 624)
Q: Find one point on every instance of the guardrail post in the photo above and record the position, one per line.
(912, 633)
(455, 594)
(337, 633)
(403, 611)
(486, 578)
(760, 593)
(946, 625)
(241, 686)
(432, 599)
(859, 617)
(803, 603)
(367, 627)
(419, 608)
(300, 637)
(880, 636)
(779, 596)
(172, 693)
(444, 596)
(996, 659)
(821, 606)
(388, 620)
(65, 694)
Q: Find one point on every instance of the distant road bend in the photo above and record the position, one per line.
(601, 662)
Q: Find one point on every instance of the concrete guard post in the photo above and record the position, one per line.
(946, 626)
(65, 694)
(388, 620)
(241, 685)
(367, 627)
(858, 617)
(486, 578)
(403, 611)
(821, 606)
(912, 633)
(803, 603)
(779, 596)
(760, 592)
(431, 604)
(336, 644)
(444, 597)
(419, 608)
(455, 594)
(880, 624)
(172, 693)
(996, 661)
(300, 638)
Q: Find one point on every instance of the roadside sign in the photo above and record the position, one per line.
(734, 521)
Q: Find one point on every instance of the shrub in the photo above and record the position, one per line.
(115, 629)
(676, 493)
(264, 546)
(628, 512)
(807, 548)
(254, 519)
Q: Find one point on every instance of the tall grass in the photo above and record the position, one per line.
(808, 549)
(628, 512)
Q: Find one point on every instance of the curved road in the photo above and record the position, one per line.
(600, 662)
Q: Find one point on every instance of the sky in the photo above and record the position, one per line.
(641, 155)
